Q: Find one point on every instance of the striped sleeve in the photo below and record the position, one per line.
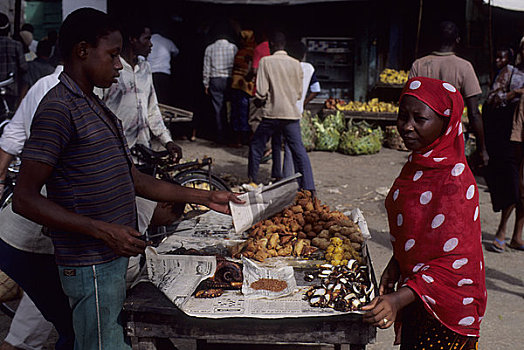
(51, 131)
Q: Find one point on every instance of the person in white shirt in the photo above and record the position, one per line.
(217, 72)
(23, 240)
(133, 97)
(160, 58)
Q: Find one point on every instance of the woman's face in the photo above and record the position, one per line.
(502, 59)
(418, 125)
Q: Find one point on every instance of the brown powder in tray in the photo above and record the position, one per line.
(269, 284)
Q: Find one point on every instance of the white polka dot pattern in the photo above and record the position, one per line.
(417, 175)
(449, 87)
(471, 192)
(438, 160)
(415, 84)
(457, 264)
(449, 130)
(450, 244)
(392, 238)
(428, 279)
(458, 169)
(476, 215)
(467, 321)
(400, 219)
(427, 153)
(409, 244)
(410, 157)
(460, 130)
(429, 299)
(395, 194)
(447, 112)
(480, 264)
(437, 221)
(425, 197)
(467, 301)
(464, 282)
(417, 267)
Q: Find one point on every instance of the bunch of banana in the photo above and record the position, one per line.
(393, 77)
(374, 106)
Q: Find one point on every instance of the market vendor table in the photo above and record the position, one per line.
(148, 314)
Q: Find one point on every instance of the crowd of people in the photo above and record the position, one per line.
(81, 206)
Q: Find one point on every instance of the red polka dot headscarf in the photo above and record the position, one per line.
(433, 213)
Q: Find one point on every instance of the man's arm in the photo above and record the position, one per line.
(207, 69)
(28, 202)
(161, 191)
(475, 121)
(157, 126)
(262, 82)
(5, 160)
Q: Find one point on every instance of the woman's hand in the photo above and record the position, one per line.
(389, 278)
(383, 310)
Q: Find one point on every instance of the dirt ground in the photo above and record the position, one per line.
(344, 183)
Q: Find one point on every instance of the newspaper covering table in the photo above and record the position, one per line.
(178, 276)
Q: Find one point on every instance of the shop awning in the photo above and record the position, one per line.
(514, 5)
(271, 2)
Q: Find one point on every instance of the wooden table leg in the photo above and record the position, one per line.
(143, 343)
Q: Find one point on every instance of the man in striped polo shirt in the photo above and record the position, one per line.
(78, 149)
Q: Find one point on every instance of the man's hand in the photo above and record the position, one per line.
(206, 90)
(219, 201)
(121, 239)
(484, 157)
(174, 150)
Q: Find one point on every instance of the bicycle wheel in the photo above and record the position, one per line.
(201, 180)
(7, 197)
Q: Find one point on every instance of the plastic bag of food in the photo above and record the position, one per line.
(327, 138)
(267, 282)
(336, 121)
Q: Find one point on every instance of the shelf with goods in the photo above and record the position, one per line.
(389, 86)
(333, 59)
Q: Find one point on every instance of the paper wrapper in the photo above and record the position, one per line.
(253, 272)
(263, 203)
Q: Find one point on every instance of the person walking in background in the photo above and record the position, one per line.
(160, 58)
(34, 43)
(40, 66)
(502, 173)
(310, 89)
(443, 64)
(218, 68)
(133, 98)
(517, 136)
(279, 84)
(12, 60)
(242, 88)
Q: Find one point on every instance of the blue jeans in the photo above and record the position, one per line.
(290, 129)
(96, 294)
(37, 274)
(277, 170)
(239, 110)
(219, 91)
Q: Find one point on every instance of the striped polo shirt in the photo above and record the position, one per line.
(83, 141)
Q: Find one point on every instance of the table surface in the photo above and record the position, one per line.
(148, 313)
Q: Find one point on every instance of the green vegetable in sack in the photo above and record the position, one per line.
(360, 138)
(307, 131)
(336, 121)
(327, 138)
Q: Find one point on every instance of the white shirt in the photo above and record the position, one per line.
(17, 131)
(161, 53)
(218, 60)
(308, 70)
(133, 100)
(16, 230)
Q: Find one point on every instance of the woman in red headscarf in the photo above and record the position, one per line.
(433, 210)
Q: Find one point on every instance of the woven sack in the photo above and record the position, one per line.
(9, 290)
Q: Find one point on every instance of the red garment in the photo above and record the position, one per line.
(433, 212)
(261, 50)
